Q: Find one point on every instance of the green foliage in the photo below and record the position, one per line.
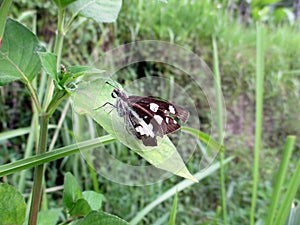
(86, 204)
(48, 61)
(90, 9)
(18, 54)
(12, 205)
(95, 218)
(172, 219)
(189, 23)
(49, 217)
(63, 3)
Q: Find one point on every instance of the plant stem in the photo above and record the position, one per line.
(220, 126)
(258, 115)
(39, 172)
(44, 119)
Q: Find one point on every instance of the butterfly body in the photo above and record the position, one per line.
(148, 117)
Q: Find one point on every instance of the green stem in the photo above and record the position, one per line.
(44, 119)
(58, 50)
(39, 172)
(258, 116)
(220, 126)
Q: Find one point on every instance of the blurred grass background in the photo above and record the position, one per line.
(190, 24)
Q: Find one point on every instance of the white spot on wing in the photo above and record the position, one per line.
(172, 109)
(145, 129)
(158, 119)
(154, 107)
(167, 119)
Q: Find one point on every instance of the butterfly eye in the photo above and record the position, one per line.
(114, 94)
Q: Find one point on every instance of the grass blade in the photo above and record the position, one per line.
(258, 115)
(289, 145)
(53, 155)
(220, 126)
(172, 219)
(177, 188)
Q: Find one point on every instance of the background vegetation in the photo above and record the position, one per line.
(191, 24)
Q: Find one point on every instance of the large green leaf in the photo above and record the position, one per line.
(90, 95)
(102, 11)
(12, 205)
(95, 218)
(18, 54)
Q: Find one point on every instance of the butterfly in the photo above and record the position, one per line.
(147, 117)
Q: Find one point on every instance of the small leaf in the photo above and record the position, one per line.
(12, 205)
(90, 95)
(18, 54)
(63, 3)
(96, 218)
(72, 191)
(80, 208)
(102, 11)
(49, 217)
(49, 63)
(94, 199)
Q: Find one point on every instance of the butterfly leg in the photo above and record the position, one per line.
(107, 103)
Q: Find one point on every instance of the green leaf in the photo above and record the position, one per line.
(204, 138)
(94, 199)
(72, 192)
(80, 208)
(4, 11)
(91, 95)
(102, 11)
(172, 219)
(63, 3)
(59, 153)
(95, 218)
(12, 205)
(49, 63)
(18, 54)
(49, 217)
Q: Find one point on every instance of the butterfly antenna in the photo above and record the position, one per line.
(111, 85)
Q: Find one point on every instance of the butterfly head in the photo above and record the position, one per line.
(116, 93)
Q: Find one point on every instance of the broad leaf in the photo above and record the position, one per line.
(102, 11)
(72, 191)
(12, 205)
(80, 208)
(94, 199)
(90, 95)
(18, 54)
(95, 218)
